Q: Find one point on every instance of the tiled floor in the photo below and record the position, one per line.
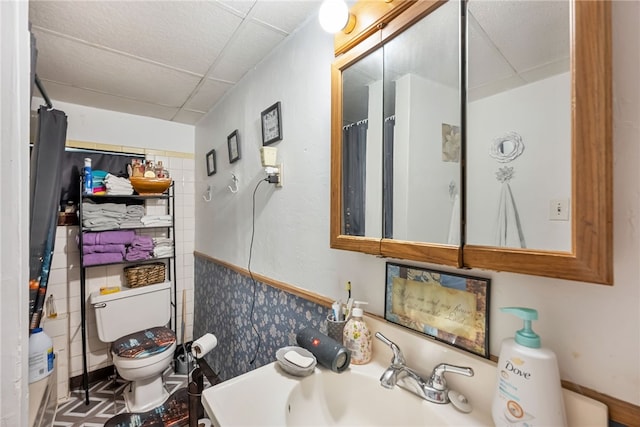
(103, 402)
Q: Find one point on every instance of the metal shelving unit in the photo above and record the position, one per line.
(171, 260)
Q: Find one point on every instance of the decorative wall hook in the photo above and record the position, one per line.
(234, 178)
(206, 196)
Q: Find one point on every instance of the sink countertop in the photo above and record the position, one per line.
(259, 397)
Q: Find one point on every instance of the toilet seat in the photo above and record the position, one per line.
(143, 347)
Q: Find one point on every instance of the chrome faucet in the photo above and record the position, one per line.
(434, 389)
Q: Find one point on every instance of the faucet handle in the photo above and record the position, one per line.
(398, 357)
(437, 377)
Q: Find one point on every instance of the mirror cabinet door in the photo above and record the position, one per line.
(396, 118)
(422, 130)
(362, 100)
(518, 128)
(538, 139)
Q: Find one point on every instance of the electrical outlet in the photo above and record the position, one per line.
(559, 210)
(281, 175)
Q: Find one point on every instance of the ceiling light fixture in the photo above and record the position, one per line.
(334, 16)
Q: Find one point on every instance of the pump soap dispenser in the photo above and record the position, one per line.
(357, 336)
(528, 388)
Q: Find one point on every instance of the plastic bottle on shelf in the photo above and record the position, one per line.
(149, 170)
(88, 177)
(357, 336)
(159, 169)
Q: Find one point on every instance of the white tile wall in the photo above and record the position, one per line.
(64, 280)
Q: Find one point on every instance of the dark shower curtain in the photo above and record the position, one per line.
(44, 187)
(387, 177)
(354, 137)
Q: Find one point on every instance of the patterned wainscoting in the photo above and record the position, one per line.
(223, 300)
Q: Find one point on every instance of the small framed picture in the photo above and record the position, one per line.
(211, 162)
(271, 124)
(449, 307)
(233, 144)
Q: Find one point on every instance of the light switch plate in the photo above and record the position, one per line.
(559, 210)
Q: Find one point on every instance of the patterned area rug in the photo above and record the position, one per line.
(105, 402)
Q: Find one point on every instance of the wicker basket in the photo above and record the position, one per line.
(144, 274)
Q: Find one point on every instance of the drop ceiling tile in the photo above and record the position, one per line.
(494, 87)
(435, 36)
(241, 7)
(251, 45)
(76, 64)
(183, 34)
(484, 62)
(528, 33)
(207, 95)
(285, 15)
(546, 70)
(188, 117)
(74, 95)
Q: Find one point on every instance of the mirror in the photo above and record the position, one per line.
(518, 128)
(529, 152)
(362, 146)
(411, 167)
(421, 151)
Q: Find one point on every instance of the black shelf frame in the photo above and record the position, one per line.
(169, 195)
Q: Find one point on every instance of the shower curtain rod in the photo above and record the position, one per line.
(43, 92)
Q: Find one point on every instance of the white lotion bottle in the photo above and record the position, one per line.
(357, 336)
(528, 388)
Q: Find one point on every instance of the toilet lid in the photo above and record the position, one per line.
(144, 343)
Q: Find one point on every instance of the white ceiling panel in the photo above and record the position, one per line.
(80, 65)
(285, 15)
(485, 63)
(188, 117)
(528, 33)
(240, 7)
(245, 51)
(107, 102)
(187, 35)
(207, 95)
(144, 52)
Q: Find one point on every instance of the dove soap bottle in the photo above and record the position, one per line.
(528, 389)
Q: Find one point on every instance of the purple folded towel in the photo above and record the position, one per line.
(115, 237)
(134, 254)
(143, 243)
(92, 249)
(102, 258)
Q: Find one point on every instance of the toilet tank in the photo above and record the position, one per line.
(131, 310)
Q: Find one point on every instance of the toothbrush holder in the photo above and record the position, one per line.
(335, 328)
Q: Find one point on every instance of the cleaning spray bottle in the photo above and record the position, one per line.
(528, 388)
(357, 336)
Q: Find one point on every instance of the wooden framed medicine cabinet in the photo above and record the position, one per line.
(588, 252)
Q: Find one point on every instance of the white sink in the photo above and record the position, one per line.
(355, 398)
(267, 396)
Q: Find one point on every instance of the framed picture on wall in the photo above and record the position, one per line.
(452, 308)
(211, 162)
(271, 120)
(233, 144)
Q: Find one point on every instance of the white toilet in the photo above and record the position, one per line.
(134, 320)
